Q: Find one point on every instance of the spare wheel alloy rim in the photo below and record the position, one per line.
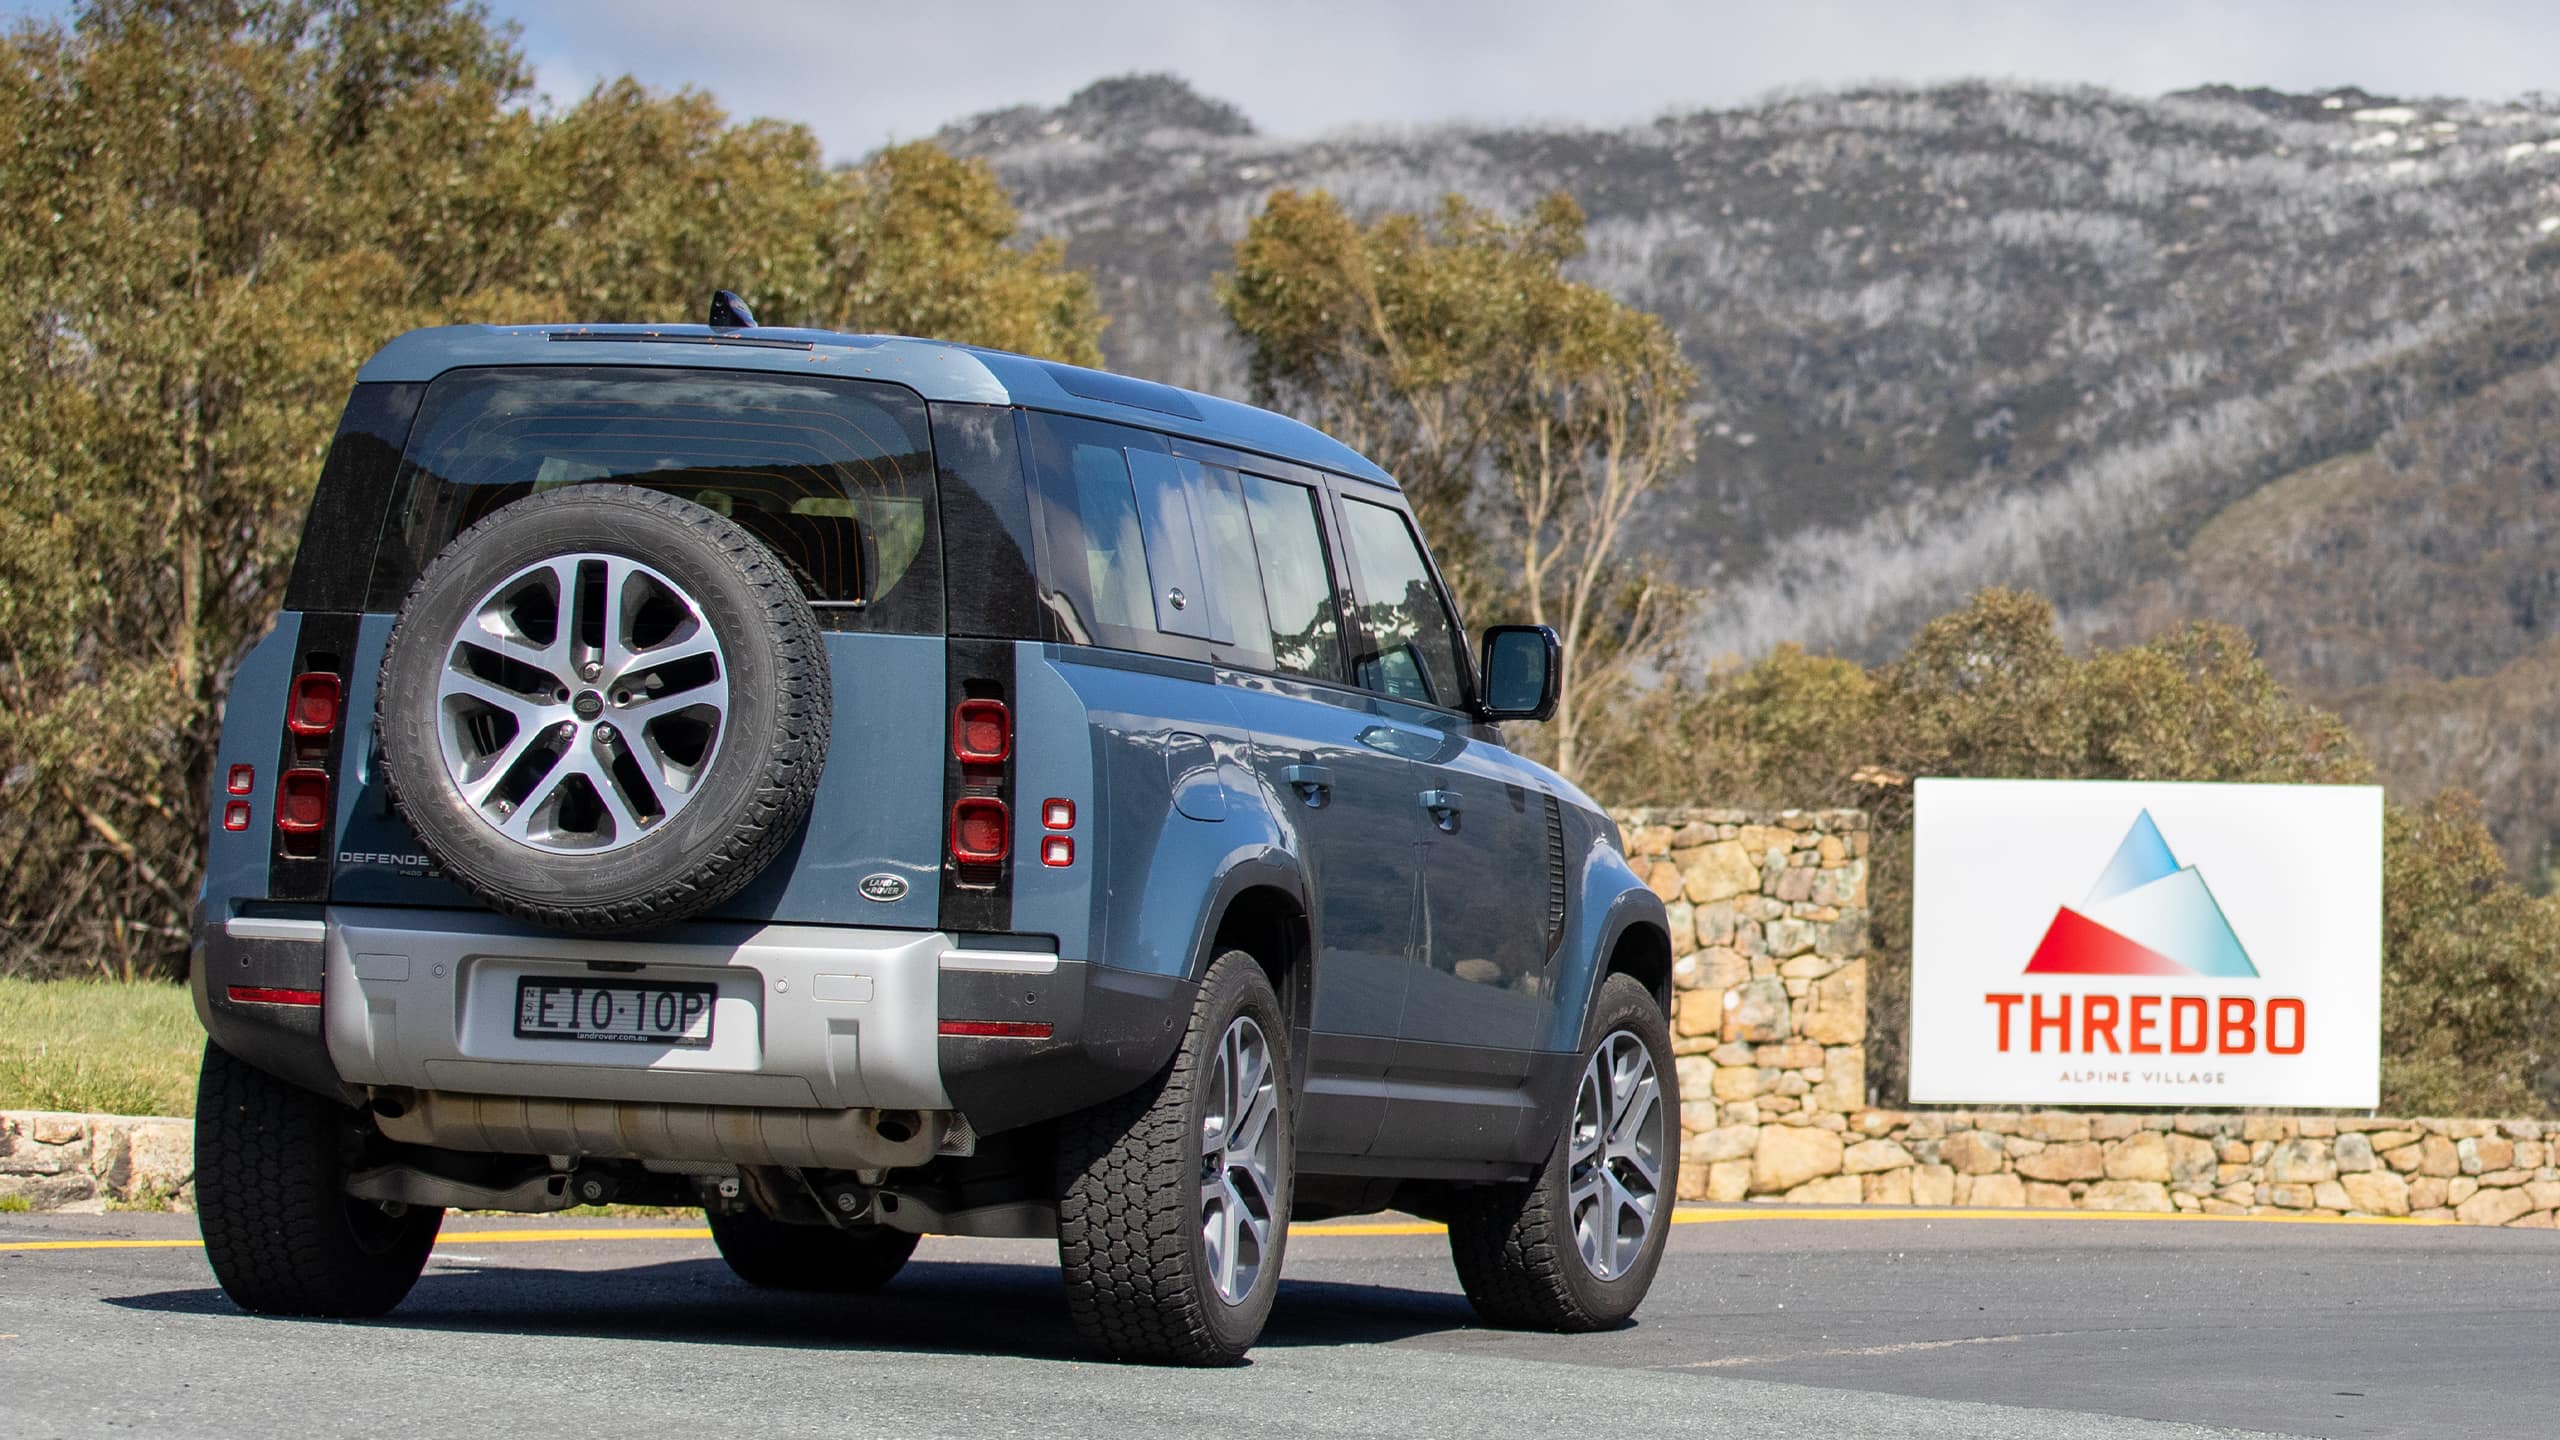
(581, 703)
(1613, 1184)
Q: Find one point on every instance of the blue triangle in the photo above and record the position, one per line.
(2142, 858)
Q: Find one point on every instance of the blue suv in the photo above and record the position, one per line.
(867, 787)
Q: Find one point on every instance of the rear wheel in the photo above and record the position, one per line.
(1173, 1204)
(821, 1258)
(1577, 1247)
(280, 1231)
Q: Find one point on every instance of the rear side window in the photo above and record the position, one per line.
(1408, 647)
(835, 476)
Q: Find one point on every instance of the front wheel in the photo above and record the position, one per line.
(1576, 1248)
(1173, 1204)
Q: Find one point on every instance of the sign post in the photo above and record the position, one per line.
(2094, 942)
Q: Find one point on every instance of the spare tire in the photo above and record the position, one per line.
(604, 708)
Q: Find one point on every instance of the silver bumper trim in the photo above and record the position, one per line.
(264, 927)
(1000, 962)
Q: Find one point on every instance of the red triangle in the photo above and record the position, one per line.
(2078, 945)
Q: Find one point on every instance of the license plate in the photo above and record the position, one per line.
(630, 1013)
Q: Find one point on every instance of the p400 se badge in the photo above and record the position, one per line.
(883, 888)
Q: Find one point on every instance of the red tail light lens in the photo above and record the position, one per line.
(263, 995)
(302, 802)
(1058, 814)
(235, 816)
(243, 779)
(998, 1029)
(317, 700)
(1057, 851)
(981, 831)
(982, 732)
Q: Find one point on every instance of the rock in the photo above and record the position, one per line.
(2145, 1195)
(2077, 1160)
(1719, 872)
(2140, 1157)
(2481, 1155)
(2265, 1127)
(1788, 937)
(2459, 1189)
(1736, 1082)
(2545, 1194)
(1992, 1191)
(1971, 1152)
(1933, 1185)
(1756, 841)
(1697, 1012)
(1798, 1056)
(2500, 1178)
(1868, 1156)
(2492, 1207)
(2387, 1140)
(1844, 1080)
(1836, 1012)
(2113, 1127)
(2191, 1161)
(1696, 1074)
(1728, 1181)
(1831, 851)
(2301, 1162)
(2285, 1197)
(1795, 884)
(2330, 1195)
(1831, 1190)
(2041, 1196)
(1892, 1187)
(2437, 1157)
(2353, 1153)
(1730, 1142)
(1789, 1155)
(2426, 1193)
(1663, 879)
(2055, 1125)
(2375, 1192)
(1760, 1012)
(47, 1128)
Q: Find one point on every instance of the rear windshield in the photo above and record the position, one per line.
(834, 476)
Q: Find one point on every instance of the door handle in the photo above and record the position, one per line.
(1444, 806)
(1314, 783)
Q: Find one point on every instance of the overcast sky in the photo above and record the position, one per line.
(860, 74)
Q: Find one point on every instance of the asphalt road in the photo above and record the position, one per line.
(1886, 1324)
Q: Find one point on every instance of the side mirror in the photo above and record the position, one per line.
(1523, 666)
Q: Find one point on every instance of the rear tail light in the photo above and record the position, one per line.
(317, 700)
(982, 732)
(235, 816)
(981, 830)
(1057, 851)
(1058, 814)
(263, 995)
(243, 779)
(302, 802)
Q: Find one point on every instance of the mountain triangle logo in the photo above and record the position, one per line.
(2147, 915)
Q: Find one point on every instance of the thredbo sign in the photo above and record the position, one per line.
(2091, 942)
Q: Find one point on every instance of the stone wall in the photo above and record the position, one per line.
(54, 1161)
(1769, 1021)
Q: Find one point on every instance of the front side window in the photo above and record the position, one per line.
(1408, 647)
(834, 476)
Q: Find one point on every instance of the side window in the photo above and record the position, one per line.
(1305, 631)
(1096, 583)
(1407, 647)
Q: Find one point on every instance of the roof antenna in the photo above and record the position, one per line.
(728, 312)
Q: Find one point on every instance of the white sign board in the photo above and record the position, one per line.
(2095, 942)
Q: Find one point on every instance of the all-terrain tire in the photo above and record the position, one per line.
(283, 1236)
(1138, 1272)
(760, 780)
(818, 1258)
(1514, 1245)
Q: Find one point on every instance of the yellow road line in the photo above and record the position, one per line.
(1362, 1229)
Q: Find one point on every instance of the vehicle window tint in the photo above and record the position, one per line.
(1407, 647)
(1229, 568)
(834, 476)
(1094, 582)
(1297, 586)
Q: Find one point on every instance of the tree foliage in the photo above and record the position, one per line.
(2471, 978)
(210, 211)
(1527, 415)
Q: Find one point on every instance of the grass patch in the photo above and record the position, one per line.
(15, 1205)
(98, 1046)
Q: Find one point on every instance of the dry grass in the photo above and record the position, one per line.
(98, 1046)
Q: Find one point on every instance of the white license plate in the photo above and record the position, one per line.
(631, 1013)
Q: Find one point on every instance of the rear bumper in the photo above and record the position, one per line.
(807, 1020)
